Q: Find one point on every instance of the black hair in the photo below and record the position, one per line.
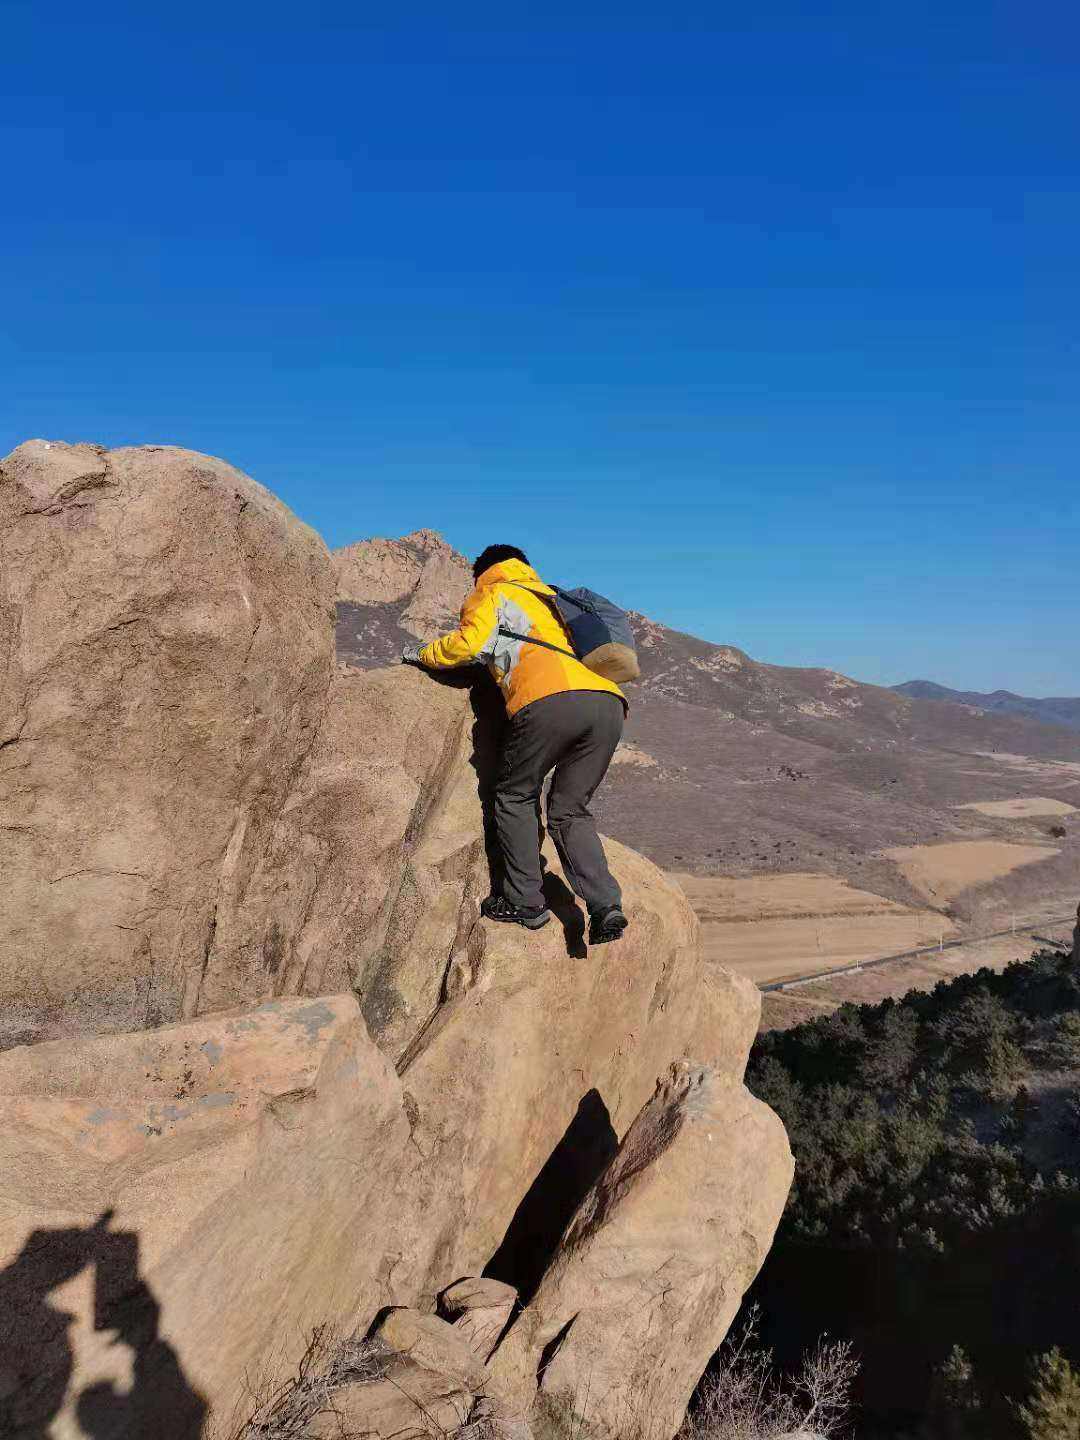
(493, 555)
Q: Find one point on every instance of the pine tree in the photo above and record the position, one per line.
(955, 1409)
(1053, 1408)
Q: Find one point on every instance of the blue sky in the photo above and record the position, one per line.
(763, 318)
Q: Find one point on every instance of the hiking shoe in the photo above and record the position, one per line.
(607, 925)
(533, 917)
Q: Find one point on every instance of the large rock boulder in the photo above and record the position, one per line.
(180, 1209)
(270, 829)
(654, 1263)
(165, 652)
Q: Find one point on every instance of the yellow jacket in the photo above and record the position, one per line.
(508, 597)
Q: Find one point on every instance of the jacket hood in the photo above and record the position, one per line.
(514, 571)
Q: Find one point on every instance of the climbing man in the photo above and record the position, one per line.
(562, 716)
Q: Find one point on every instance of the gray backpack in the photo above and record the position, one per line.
(599, 632)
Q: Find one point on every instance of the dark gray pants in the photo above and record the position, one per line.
(576, 733)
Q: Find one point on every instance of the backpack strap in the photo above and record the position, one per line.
(528, 639)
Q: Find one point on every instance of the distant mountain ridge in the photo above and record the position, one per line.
(1054, 710)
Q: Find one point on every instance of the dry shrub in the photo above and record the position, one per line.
(741, 1398)
(328, 1364)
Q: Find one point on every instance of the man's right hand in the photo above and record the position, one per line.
(410, 655)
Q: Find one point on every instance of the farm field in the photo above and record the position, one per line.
(941, 872)
(1022, 808)
(769, 927)
(781, 1009)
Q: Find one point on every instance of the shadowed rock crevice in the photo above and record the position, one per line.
(545, 1211)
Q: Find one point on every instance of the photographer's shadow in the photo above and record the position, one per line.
(37, 1356)
(489, 727)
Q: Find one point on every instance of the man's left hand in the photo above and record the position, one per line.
(410, 655)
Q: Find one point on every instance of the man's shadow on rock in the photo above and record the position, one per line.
(37, 1357)
(489, 727)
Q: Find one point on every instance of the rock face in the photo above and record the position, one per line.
(165, 652)
(374, 1093)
